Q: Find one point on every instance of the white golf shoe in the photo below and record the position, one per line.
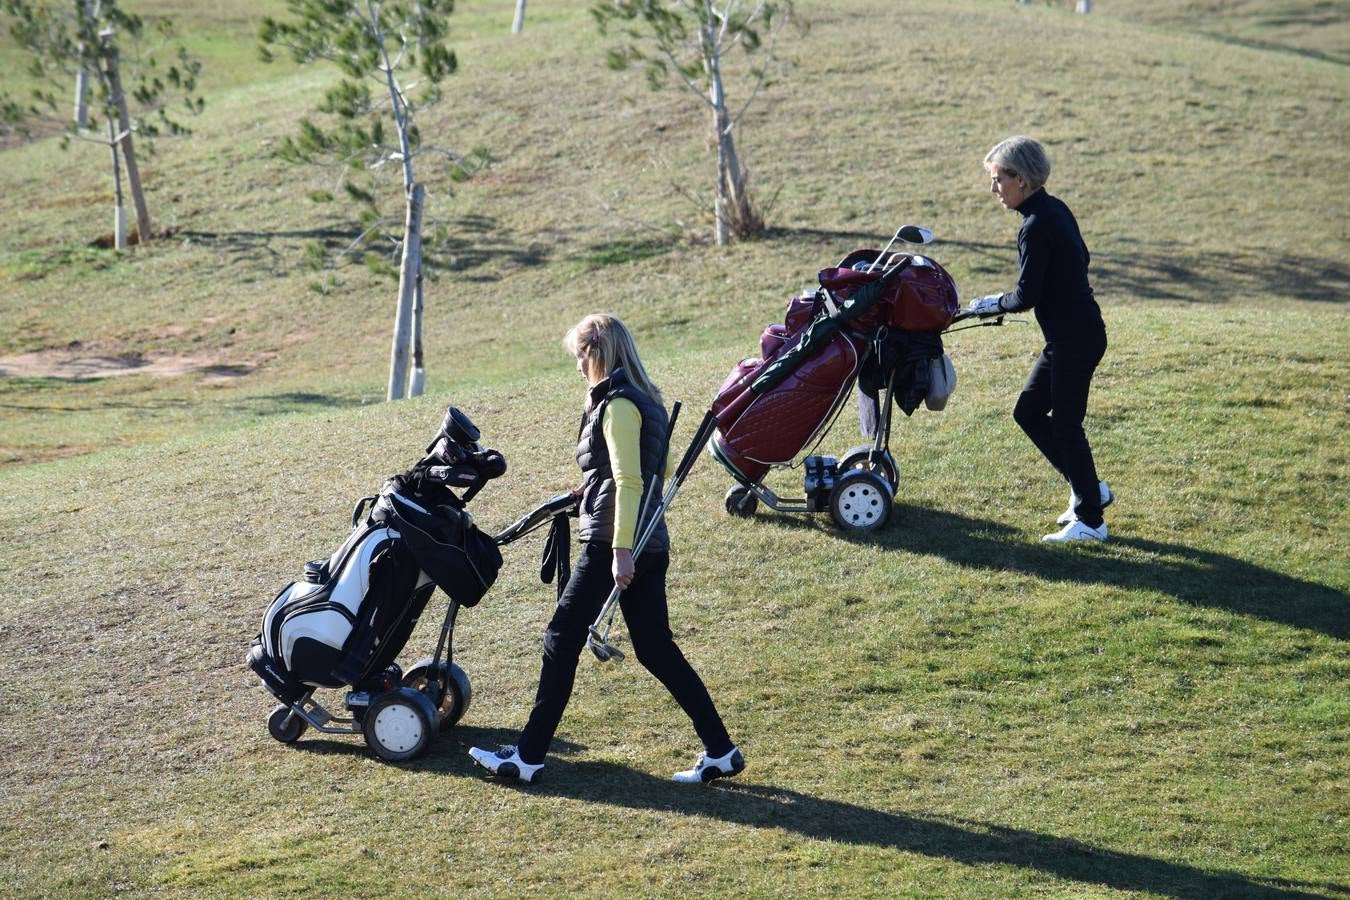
(1068, 515)
(1076, 531)
(506, 763)
(707, 768)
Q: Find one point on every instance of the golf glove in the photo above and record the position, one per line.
(986, 306)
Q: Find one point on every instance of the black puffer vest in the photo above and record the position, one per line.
(598, 490)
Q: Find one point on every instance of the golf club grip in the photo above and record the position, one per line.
(890, 274)
(670, 423)
(691, 455)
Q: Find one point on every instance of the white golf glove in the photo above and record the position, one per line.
(985, 306)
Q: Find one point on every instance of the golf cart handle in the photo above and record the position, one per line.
(557, 505)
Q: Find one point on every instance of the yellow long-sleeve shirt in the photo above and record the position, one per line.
(622, 428)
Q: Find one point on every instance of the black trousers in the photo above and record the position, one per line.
(1051, 410)
(644, 611)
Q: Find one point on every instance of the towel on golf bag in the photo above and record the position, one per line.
(443, 542)
(908, 357)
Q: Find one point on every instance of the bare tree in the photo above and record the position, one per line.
(689, 41)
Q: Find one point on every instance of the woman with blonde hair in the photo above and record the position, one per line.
(1053, 280)
(622, 450)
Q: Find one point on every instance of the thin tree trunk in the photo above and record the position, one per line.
(119, 207)
(1084, 6)
(519, 24)
(407, 320)
(409, 273)
(128, 151)
(417, 384)
(720, 198)
(717, 99)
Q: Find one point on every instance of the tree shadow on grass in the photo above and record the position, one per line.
(472, 247)
(1158, 272)
(965, 842)
(1191, 575)
(1163, 274)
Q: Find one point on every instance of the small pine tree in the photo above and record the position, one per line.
(687, 41)
(366, 133)
(68, 43)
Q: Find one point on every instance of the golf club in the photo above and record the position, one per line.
(910, 234)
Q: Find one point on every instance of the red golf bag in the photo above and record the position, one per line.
(887, 316)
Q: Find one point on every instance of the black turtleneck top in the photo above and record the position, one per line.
(1053, 279)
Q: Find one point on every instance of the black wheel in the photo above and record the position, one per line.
(398, 725)
(882, 463)
(285, 725)
(740, 501)
(861, 500)
(454, 703)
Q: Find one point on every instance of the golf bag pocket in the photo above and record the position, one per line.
(446, 545)
(774, 338)
(316, 571)
(941, 382)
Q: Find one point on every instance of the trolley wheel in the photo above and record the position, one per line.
(861, 500)
(455, 702)
(398, 724)
(883, 464)
(284, 725)
(740, 501)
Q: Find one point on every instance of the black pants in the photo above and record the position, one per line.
(1051, 410)
(644, 611)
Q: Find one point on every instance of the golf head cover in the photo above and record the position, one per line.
(490, 463)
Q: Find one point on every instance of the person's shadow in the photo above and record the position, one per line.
(1191, 575)
(743, 802)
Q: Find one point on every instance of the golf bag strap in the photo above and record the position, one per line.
(557, 553)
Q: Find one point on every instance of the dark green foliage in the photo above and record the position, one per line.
(668, 37)
(371, 44)
(64, 38)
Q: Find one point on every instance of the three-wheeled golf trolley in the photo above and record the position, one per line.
(346, 621)
(877, 320)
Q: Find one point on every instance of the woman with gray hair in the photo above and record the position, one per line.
(1053, 281)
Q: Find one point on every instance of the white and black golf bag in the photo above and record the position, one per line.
(351, 614)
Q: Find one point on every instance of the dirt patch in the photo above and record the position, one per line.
(76, 365)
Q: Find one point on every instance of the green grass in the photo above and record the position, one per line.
(1162, 715)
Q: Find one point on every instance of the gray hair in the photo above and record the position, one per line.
(1022, 156)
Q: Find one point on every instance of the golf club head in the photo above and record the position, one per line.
(601, 653)
(603, 649)
(915, 234)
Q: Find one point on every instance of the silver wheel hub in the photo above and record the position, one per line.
(398, 727)
(860, 504)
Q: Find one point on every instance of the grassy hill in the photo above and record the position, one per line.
(948, 709)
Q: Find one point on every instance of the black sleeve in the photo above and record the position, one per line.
(1033, 250)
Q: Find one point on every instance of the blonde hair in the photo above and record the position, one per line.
(1021, 156)
(605, 344)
